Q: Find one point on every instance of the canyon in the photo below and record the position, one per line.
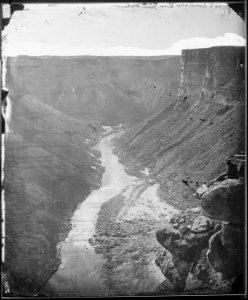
(180, 116)
(111, 90)
(184, 147)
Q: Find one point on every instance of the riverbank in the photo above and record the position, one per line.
(111, 248)
(67, 225)
(135, 167)
(126, 237)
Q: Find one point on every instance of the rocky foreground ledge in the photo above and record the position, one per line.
(205, 245)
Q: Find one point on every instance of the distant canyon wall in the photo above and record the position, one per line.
(213, 74)
(111, 90)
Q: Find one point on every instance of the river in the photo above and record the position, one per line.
(79, 271)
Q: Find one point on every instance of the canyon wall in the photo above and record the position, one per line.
(112, 90)
(215, 75)
(49, 169)
(184, 146)
(187, 141)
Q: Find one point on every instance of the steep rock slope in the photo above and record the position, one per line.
(188, 140)
(48, 171)
(110, 89)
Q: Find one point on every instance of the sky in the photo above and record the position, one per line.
(121, 29)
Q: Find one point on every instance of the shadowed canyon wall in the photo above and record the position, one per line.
(48, 171)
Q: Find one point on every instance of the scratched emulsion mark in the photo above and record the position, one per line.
(5, 116)
(80, 269)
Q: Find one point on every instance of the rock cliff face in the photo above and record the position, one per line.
(215, 75)
(112, 90)
(185, 237)
(204, 250)
(226, 202)
(189, 139)
(184, 261)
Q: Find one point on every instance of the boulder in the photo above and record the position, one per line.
(183, 247)
(225, 201)
(168, 234)
(187, 246)
(201, 224)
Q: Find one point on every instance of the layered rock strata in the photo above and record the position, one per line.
(214, 74)
(189, 140)
(112, 90)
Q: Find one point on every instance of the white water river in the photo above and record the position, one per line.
(79, 272)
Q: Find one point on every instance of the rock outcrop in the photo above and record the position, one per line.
(214, 241)
(226, 251)
(185, 238)
(225, 202)
(213, 74)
